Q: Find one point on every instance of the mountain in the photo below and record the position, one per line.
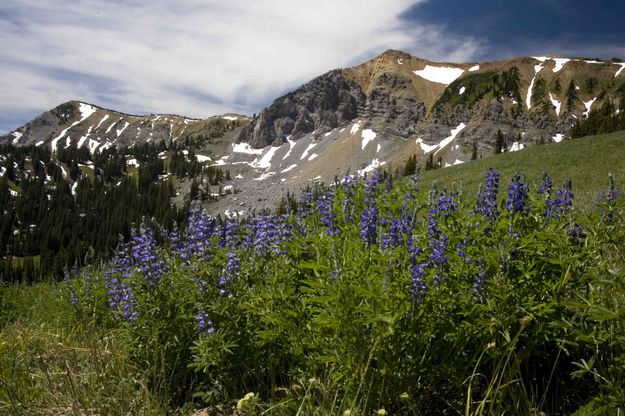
(355, 120)
(79, 165)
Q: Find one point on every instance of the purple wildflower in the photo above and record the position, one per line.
(479, 285)
(419, 286)
(545, 188)
(146, 256)
(486, 204)
(517, 196)
(230, 272)
(562, 203)
(204, 324)
(327, 217)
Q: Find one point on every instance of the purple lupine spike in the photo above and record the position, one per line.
(517, 196)
(230, 272)
(368, 223)
(562, 203)
(545, 188)
(146, 256)
(419, 287)
(414, 251)
(204, 323)
(325, 207)
(486, 203)
(479, 285)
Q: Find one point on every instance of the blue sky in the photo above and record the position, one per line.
(200, 58)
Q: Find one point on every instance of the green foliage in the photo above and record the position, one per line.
(328, 323)
(500, 143)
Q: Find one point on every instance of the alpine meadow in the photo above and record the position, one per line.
(403, 207)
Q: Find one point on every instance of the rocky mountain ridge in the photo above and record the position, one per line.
(355, 120)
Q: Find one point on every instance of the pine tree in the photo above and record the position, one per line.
(499, 142)
(474, 150)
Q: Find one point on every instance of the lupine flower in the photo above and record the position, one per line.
(486, 204)
(577, 234)
(414, 251)
(204, 324)
(347, 203)
(437, 255)
(517, 196)
(120, 269)
(326, 212)
(128, 303)
(562, 202)
(419, 285)
(545, 188)
(266, 234)
(230, 272)
(146, 256)
(477, 290)
(392, 238)
(229, 234)
(368, 223)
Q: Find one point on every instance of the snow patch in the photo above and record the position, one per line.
(239, 176)
(120, 131)
(439, 74)
(426, 148)
(474, 68)
(265, 160)
(245, 148)
(39, 143)
(622, 66)
(16, 135)
(555, 103)
(367, 136)
(202, 158)
(230, 118)
(559, 63)
(516, 146)
(537, 68)
(291, 146)
(452, 136)
(458, 162)
(588, 105)
(265, 176)
(312, 157)
(593, 62)
(558, 138)
(400, 61)
(462, 90)
(377, 150)
(12, 192)
(106, 116)
(355, 127)
(308, 149)
(375, 163)
(288, 169)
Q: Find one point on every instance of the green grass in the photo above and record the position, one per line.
(587, 161)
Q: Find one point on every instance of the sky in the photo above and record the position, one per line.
(205, 57)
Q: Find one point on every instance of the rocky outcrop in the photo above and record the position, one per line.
(321, 105)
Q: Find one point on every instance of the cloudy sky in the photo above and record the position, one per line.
(204, 57)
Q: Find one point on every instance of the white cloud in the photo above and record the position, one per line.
(195, 57)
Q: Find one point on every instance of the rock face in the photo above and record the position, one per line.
(402, 97)
(397, 97)
(321, 105)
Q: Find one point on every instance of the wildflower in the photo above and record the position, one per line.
(477, 290)
(517, 196)
(562, 202)
(486, 204)
(66, 281)
(419, 285)
(204, 323)
(231, 271)
(368, 223)
(577, 234)
(324, 205)
(545, 188)
(146, 257)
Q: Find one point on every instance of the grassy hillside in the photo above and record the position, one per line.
(587, 161)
